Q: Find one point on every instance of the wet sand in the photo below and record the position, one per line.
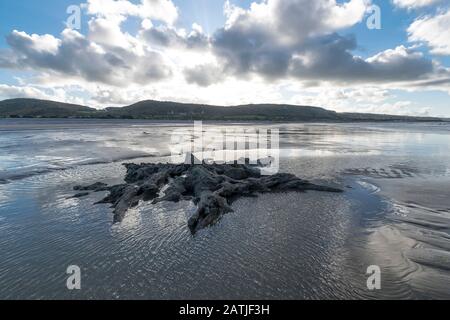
(416, 241)
(394, 213)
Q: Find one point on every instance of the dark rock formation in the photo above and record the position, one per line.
(93, 187)
(212, 187)
(79, 195)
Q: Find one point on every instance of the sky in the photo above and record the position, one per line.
(377, 56)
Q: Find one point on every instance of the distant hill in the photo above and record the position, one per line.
(175, 111)
(34, 108)
(158, 110)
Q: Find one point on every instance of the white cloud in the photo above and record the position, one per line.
(274, 40)
(361, 100)
(10, 92)
(77, 57)
(413, 4)
(45, 44)
(57, 94)
(204, 75)
(434, 31)
(294, 20)
(107, 32)
(298, 38)
(331, 59)
(162, 10)
(170, 37)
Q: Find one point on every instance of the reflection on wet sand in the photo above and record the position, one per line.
(414, 244)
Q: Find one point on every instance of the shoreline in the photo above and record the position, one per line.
(238, 121)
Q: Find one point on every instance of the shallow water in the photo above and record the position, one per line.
(394, 213)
